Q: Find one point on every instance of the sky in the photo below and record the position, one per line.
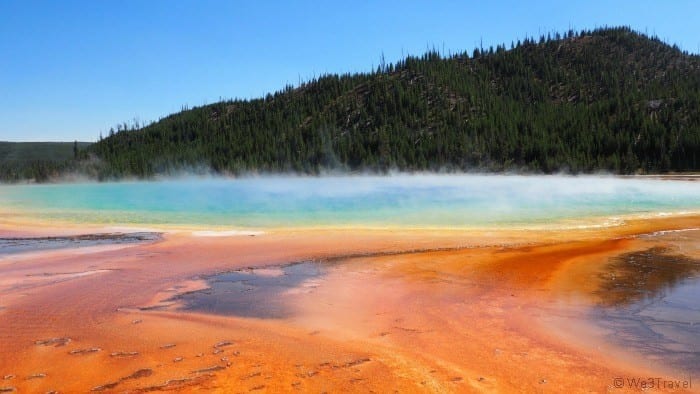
(70, 70)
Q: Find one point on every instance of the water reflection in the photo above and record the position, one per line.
(649, 301)
(19, 245)
(644, 276)
(261, 293)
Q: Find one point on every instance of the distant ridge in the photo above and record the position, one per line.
(32, 160)
(610, 99)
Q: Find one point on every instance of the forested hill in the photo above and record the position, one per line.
(604, 100)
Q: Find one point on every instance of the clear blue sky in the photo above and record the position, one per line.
(72, 69)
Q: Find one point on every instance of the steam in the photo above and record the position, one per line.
(246, 204)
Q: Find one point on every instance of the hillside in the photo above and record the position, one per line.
(35, 160)
(604, 100)
(24, 152)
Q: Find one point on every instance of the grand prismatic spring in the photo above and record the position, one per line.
(428, 283)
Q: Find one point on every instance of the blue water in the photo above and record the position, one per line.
(439, 201)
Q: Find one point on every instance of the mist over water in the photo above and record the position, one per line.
(464, 201)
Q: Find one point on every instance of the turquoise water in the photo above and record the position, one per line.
(440, 201)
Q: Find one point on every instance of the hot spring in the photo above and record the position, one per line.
(411, 201)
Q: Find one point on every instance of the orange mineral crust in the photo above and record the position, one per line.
(380, 310)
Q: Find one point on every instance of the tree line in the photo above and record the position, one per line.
(608, 99)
